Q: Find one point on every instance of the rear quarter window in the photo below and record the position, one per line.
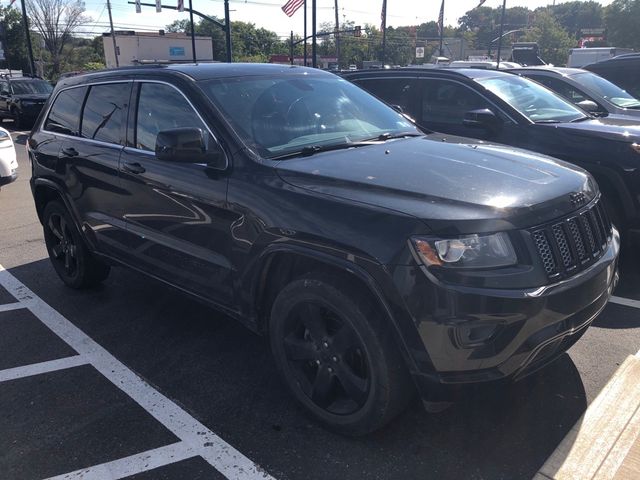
(64, 116)
(105, 111)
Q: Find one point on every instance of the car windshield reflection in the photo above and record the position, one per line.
(283, 115)
(532, 100)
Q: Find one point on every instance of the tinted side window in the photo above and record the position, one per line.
(447, 102)
(394, 91)
(104, 113)
(161, 107)
(561, 88)
(65, 113)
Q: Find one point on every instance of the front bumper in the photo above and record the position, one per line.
(9, 178)
(473, 335)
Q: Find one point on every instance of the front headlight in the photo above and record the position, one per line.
(469, 251)
(4, 137)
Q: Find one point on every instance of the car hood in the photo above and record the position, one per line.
(453, 184)
(32, 96)
(613, 127)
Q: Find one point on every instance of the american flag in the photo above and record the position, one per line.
(441, 19)
(383, 16)
(292, 7)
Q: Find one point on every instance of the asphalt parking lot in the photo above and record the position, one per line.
(134, 380)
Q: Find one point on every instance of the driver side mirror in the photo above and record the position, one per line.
(589, 106)
(189, 145)
(482, 118)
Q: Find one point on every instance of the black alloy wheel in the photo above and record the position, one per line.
(63, 248)
(335, 352)
(76, 266)
(327, 358)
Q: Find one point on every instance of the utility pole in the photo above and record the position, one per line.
(291, 49)
(193, 32)
(314, 45)
(113, 35)
(504, 8)
(227, 31)
(337, 34)
(305, 33)
(25, 20)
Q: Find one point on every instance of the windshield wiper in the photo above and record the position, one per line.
(313, 149)
(547, 121)
(582, 119)
(390, 136)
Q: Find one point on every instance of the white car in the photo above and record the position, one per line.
(8, 163)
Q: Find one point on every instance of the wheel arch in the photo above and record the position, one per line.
(613, 186)
(283, 263)
(45, 191)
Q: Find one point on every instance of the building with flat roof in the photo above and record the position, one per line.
(139, 48)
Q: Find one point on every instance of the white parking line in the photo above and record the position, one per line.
(203, 442)
(43, 367)
(125, 467)
(627, 302)
(11, 306)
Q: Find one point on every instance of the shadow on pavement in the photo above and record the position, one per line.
(223, 375)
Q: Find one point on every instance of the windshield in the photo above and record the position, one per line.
(286, 114)
(31, 86)
(609, 91)
(532, 99)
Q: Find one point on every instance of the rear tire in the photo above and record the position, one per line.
(76, 266)
(336, 355)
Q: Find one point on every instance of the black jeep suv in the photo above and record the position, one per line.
(502, 107)
(22, 99)
(378, 260)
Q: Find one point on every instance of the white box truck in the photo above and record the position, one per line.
(579, 57)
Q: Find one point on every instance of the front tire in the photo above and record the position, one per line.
(337, 356)
(76, 266)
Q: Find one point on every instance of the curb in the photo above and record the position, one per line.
(605, 442)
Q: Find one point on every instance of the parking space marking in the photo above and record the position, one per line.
(125, 467)
(11, 306)
(204, 443)
(42, 367)
(627, 302)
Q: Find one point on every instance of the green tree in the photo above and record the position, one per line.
(553, 40)
(55, 21)
(574, 16)
(13, 39)
(622, 18)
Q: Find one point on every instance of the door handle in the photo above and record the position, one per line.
(133, 167)
(70, 152)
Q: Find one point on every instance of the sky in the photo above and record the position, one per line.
(267, 13)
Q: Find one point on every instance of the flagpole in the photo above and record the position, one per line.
(441, 25)
(305, 33)
(504, 7)
(384, 30)
(314, 46)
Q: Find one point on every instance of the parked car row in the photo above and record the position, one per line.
(494, 106)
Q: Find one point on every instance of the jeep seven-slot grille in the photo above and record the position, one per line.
(569, 246)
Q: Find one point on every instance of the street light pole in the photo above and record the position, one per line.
(227, 31)
(314, 45)
(193, 32)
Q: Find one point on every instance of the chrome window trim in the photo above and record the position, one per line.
(125, 147)
(428, 77)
